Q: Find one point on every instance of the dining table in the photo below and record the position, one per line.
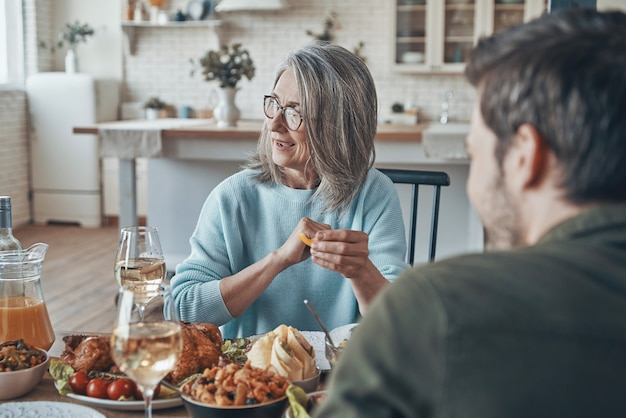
(46, 391)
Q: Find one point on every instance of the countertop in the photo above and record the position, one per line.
(251, 129)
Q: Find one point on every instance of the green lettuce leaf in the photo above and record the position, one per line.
(61, 374)
(297, 401)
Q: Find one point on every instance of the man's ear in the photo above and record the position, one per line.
(530, 156)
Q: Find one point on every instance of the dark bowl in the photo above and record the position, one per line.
(265, 410)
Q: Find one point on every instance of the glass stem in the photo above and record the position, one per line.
(147, 396)
(141, 309)
(148, 406)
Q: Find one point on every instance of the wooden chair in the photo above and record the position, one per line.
(417, 178)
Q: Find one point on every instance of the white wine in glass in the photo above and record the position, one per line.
(139, 263)
(146, 349)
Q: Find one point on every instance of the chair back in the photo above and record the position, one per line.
(417, 178)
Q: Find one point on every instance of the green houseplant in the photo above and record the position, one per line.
(153, 107)
(226, 66)
(72, 35)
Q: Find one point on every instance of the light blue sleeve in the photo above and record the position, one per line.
(383, 222)
(195, 286)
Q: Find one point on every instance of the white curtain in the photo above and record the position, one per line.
(11, 43)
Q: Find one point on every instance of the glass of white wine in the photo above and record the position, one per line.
(146, 348)
(139, 263)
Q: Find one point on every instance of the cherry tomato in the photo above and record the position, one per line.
(78, 382)
(97, 388)
(120, 388)
(139, 395)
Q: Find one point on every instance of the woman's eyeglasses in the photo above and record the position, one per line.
(291, 117)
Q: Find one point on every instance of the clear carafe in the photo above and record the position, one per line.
(23, 311)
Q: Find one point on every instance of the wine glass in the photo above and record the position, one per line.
(139, 264)
(146, 348)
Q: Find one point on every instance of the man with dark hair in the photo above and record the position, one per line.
(536, 326)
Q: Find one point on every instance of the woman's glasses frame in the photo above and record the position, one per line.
(292, 118)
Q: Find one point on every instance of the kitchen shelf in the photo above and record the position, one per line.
(131, 28)
(444, 32)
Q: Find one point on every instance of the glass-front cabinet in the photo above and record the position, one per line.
(437, 35)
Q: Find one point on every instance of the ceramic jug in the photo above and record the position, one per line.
(23, 311)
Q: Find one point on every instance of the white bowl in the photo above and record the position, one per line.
(412, 57)
(20, 382)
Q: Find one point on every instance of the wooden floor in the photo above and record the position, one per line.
(77, 277)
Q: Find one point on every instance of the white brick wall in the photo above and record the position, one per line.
(160, 65)
(14, 124)
(14, 169)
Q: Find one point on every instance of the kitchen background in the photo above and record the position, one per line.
(154, 61)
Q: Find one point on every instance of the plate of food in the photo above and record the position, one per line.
(85, 370)
(236, 349)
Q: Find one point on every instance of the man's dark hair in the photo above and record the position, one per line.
(564, 74)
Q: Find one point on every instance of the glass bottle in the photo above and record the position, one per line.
(7, 241)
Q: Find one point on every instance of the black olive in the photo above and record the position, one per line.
(251, 401)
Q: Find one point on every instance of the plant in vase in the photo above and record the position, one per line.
(72, 35)
(328, 34)
(153, 107)
(227, 66)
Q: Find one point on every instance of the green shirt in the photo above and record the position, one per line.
(531, 332)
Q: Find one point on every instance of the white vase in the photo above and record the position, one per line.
(152, 113)
(71, 61)
(226, 113)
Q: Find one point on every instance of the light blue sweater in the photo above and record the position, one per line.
(242, 221)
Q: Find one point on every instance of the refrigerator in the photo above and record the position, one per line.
(65, 167)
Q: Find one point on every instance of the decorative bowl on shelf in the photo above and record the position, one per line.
(412, 57)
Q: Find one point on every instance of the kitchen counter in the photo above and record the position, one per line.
(248, 130)
(189, 157)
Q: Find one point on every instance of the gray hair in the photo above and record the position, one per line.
(339, 107)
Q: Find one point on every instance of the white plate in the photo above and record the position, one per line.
(342, 333)
(316, 339)
(195, 9)
(126, 405)
(47, 409)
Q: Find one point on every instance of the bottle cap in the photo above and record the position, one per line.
(5, 202)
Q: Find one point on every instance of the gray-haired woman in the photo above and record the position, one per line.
(248, 270)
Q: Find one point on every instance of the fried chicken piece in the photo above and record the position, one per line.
(202, 348)
(84, 352)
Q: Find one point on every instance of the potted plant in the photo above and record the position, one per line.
(226, 66)
(72, 35)
(153, 107)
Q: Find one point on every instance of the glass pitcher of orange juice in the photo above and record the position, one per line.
(23, 311)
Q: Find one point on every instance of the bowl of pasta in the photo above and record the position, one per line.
(233, 390)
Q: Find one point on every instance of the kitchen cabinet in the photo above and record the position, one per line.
(133, 29)
(436, 36)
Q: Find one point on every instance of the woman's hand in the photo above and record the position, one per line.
(294, 250)
(342, 250)
(346, 252)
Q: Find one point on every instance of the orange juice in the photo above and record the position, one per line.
(25, 317)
